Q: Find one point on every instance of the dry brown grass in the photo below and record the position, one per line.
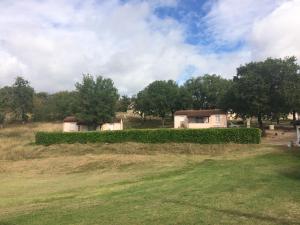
(74, 176)
(18, 153)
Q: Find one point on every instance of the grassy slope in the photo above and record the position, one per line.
(145, 184)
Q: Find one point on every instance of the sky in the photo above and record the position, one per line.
(134, 42)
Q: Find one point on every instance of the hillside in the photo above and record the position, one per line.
(145, 183)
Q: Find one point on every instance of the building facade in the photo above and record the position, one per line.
(200, 119)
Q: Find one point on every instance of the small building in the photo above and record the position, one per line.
(117, 124)
(72, 124)
(200, 118)
(290, 116)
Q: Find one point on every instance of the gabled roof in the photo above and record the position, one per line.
(206, 112)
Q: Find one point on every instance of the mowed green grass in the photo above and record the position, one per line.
(145, 183)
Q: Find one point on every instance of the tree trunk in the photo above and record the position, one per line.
(261, 126)
(294, 118)
(260, 123)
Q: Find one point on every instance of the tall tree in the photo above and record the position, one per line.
(261, 89)
(5, 102)
(97, 98)
(123, 103)
(22, 98)
(207, 91)
(159, 98)
(291, 86)
(41, 106)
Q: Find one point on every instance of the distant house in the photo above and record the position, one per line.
(290, 116)
(117, 124)
(72, 124)
(200, 118)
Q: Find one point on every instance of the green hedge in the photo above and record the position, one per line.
(202, 136)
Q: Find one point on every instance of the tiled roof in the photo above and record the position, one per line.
(206, 112)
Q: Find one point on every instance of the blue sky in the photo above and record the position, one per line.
(52, 43)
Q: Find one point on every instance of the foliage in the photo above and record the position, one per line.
(22, 98)
(96, 100)
(123, 103)
(160, 98)
(203, 136)
(207, 91)
(52, 107)
(260, 89)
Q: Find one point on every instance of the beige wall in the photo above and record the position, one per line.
(179, 120)
(112, 126)
(70, 127)
(213, 122)
(221, 123)
(83, 128)
(290, 116)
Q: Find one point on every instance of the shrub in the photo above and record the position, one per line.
(202, 136)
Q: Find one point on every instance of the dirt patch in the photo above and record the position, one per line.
(279, 137)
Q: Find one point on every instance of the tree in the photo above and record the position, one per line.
(291, 86)
(142, 104)
(207, 91)
(22, 98)
(41, 106)
(52, 107)
(123, 103)
(63, 104)
(96, 100)
(261, 89)
(159, 98)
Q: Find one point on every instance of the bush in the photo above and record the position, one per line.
(202, 136)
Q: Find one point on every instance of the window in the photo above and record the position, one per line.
(218, 119)
(198, 119)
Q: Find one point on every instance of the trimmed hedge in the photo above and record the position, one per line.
(202, 136)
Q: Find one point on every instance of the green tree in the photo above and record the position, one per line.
(41, 106)
(53, 107)
(96, 100)
(261, 89)
(62, 104)
(207, 91)
(291, 86)
(22, 98)
(160, 98)
(123, 103)
(142, 104)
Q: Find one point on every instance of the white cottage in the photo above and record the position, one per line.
(200, 118)
(72, 124)
(117, 124)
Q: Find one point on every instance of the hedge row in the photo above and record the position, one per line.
(202, 136)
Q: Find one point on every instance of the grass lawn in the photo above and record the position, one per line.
(145, 183)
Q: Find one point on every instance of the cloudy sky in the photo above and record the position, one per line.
(134, 42)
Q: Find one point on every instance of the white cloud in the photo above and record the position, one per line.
(52, 42)
(230, 21)
(278, 33)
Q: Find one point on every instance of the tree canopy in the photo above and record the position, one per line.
(207, 91)
(96, 100)
(261, 89)
(22, 98)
